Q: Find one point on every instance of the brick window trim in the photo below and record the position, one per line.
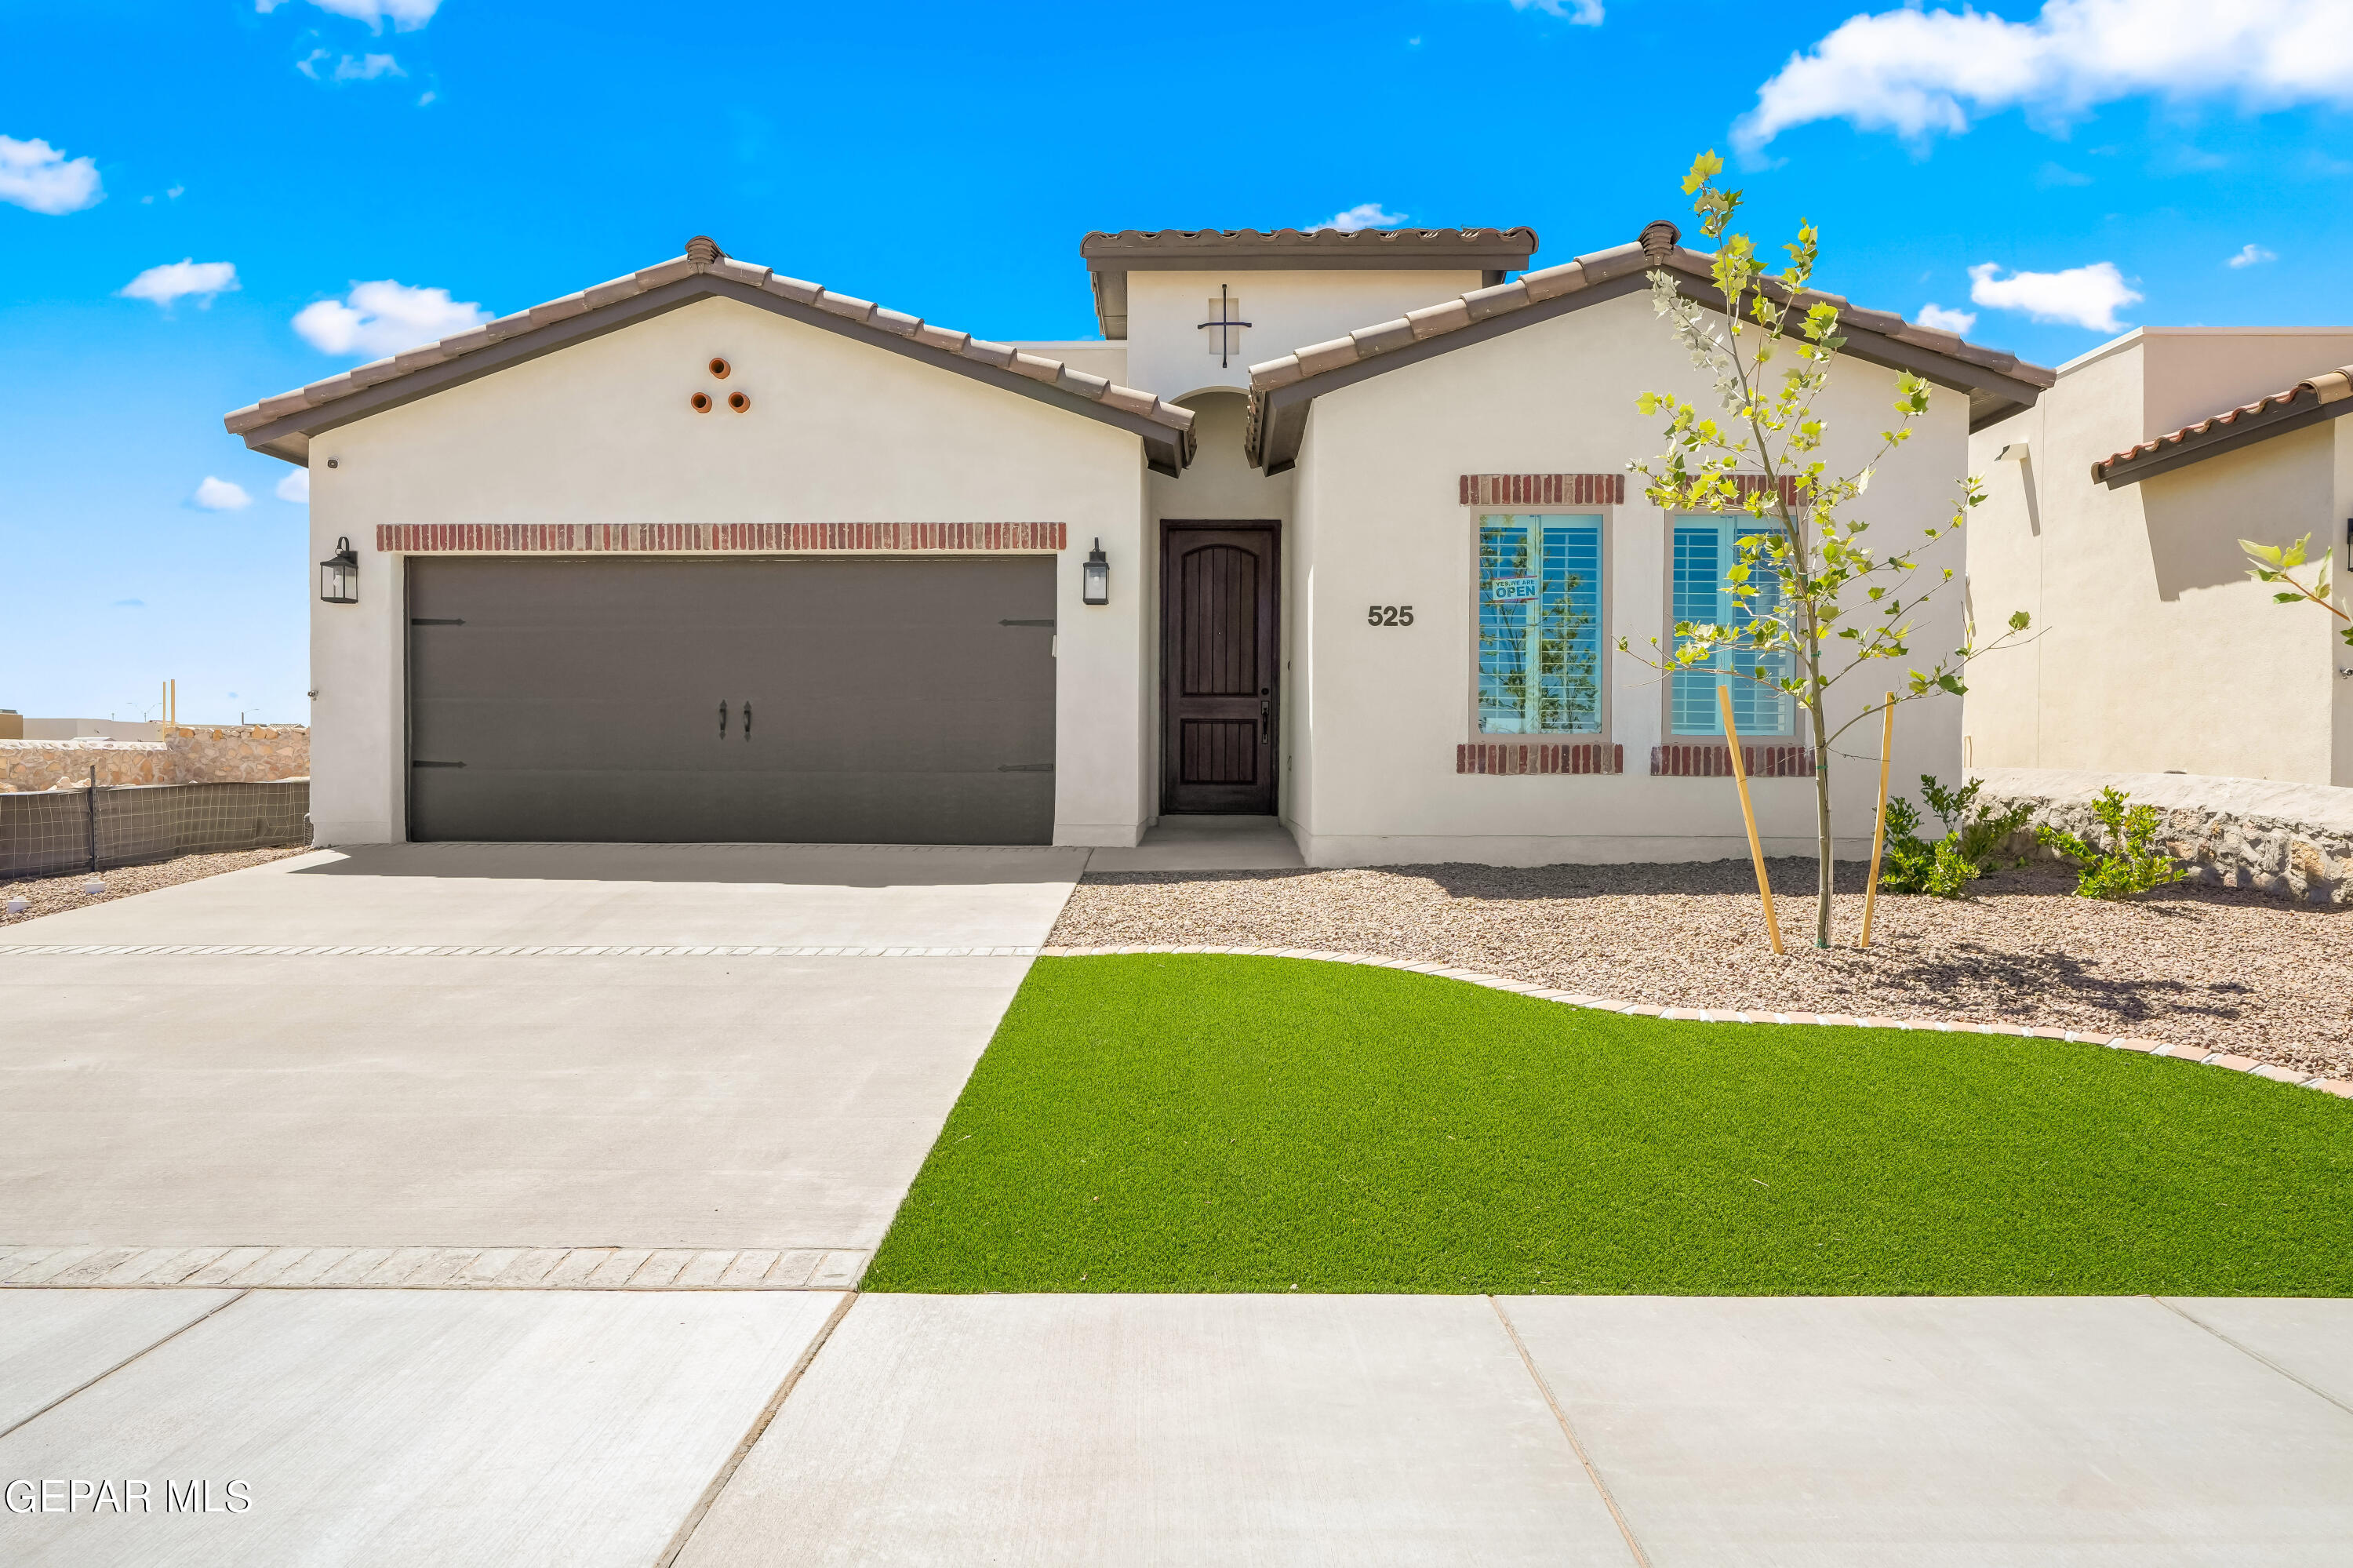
(715, 538)
(1747, 484)
(1540, 758)
(1582, 488)
(1543, 490)
(1713, 759)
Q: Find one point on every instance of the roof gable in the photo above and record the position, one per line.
(1110, 258)
(283, 425)
(1281, 389)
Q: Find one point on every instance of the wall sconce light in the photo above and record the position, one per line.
(1095, 577)
(339, 575)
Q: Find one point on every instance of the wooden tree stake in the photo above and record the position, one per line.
(1879, 835)
(1748, 815)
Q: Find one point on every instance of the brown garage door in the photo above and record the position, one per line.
(856, 701)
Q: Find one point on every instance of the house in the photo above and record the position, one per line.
(1330, 526)
(2114, 523)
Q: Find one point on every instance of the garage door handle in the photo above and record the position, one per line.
(747, 717)
(723, 718)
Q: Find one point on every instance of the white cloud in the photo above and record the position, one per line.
(220, 495)
(1917, 72)
(188, 279)
(385, 317)
(2253, 256)
(2080, 296)
(39, 178)
(296, 487)
(1943, 319)
(366, 67)
(1584, 12)
(1364, 215)
(406, 15)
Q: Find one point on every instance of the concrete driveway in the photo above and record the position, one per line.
(562, 1056)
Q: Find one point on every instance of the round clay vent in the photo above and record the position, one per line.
(720, 367)
(737, 401)
(699, 402)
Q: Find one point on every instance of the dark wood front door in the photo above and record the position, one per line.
(1219, 586)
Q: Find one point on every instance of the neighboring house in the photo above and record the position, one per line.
(2114, 523)
(709, 553)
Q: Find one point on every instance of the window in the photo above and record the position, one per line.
(1539, 625)
(1704, 547)
(1223, 327)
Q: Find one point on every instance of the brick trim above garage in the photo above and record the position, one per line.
(1713, 759)
(1543, 490)
(1523, 757)
(715, 538)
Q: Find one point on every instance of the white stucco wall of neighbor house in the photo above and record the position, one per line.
(2154, 651)
(1378, 521)
(1170, 353)
(839, 431)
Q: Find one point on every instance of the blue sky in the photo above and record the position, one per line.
(2119, 154)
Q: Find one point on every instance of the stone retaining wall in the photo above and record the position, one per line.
(189, 753)
(2295, 841)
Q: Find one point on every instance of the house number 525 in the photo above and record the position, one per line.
(1388, 615)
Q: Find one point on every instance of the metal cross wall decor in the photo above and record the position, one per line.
(1225, 324)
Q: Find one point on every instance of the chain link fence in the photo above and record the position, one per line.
(56, 831)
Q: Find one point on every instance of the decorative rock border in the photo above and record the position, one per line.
(2341, 1087)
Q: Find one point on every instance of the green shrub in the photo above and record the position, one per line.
(1979, 835)
(1946, 867)
(2132, 864)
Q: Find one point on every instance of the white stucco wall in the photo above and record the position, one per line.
(2154, 651)
(1169, 354)
(839, 431)
(1380, 712)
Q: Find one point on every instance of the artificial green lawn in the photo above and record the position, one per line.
(1184, 1123)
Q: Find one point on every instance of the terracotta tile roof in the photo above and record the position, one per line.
(2317, 391)
(1581, 273)
(704, 257)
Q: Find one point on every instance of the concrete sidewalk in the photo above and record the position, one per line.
(500, 1428)
(520, 1427)
(1411, 1430)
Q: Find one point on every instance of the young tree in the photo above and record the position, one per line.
(1770, 348)
(2277, 564)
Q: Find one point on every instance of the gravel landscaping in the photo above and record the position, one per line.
(55, 894)
(2232, 970)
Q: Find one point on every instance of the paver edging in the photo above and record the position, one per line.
(2341, 1087)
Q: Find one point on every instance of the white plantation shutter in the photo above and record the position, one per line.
(1704, 549)
(1540, 624)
